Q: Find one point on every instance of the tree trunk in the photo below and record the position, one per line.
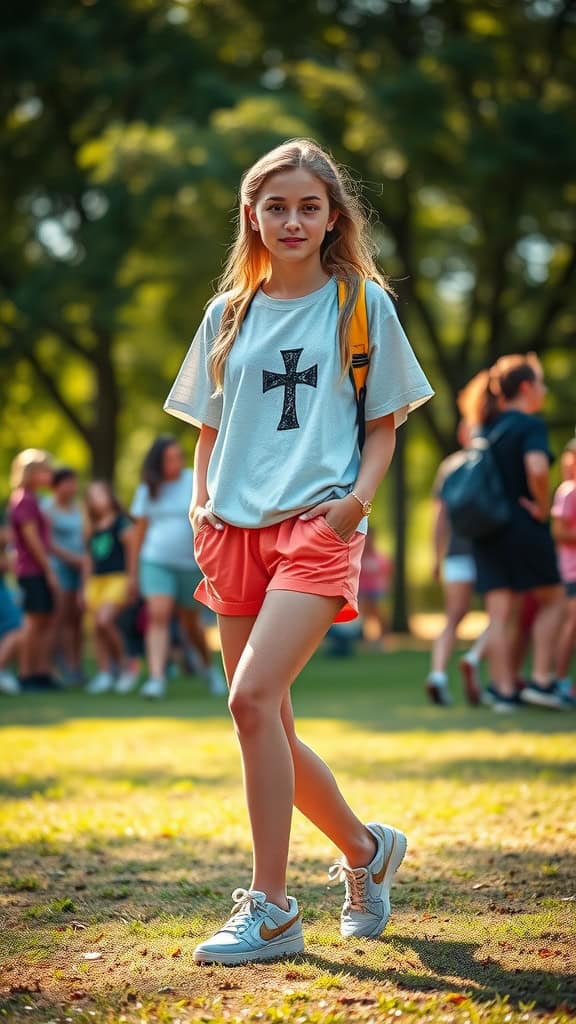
(400, 623)
(106, 404)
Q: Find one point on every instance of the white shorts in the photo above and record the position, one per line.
(459, 569)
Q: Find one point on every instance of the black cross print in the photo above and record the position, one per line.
(289, 380)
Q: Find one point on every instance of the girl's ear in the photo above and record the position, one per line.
(334, 214)
(252, 218)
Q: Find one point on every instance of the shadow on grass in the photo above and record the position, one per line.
(480, 979)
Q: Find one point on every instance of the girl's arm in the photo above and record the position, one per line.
(344, 514)
(127, 540)
(441, 535)
(537, 469)
(204, 448)
(563, 530)
(136, 539)
(38, 551)
(69, 557)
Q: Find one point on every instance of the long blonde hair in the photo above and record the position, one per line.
(24, 465)
(347, 253)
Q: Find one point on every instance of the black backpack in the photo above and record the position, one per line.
(474, 493)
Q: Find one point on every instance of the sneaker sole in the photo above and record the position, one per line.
(541, 700)
(472, 690)
(271, 951)
(397, 854)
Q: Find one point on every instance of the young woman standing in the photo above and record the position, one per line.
(281, 495)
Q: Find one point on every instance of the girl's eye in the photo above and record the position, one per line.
(310, 208)
(276, 208)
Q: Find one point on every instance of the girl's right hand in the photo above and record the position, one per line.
(201, 515)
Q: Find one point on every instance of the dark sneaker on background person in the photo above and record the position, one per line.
(545, 696)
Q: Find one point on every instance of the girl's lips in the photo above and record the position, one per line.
(292, 241)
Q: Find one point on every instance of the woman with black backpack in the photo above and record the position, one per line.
(519, 557)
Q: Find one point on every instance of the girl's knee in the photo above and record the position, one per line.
(249, 708)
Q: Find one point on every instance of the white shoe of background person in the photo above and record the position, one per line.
(216, 682)
(154, 689)
(257, 930)
(127, 681)
(366, 907)
(9, 684)
(103, 682)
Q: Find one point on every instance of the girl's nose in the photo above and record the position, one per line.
(292, 221)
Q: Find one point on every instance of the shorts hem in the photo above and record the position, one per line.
(347, 613)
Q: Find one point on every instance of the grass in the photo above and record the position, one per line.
(124, 831)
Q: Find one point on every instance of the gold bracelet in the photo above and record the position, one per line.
(366, 505)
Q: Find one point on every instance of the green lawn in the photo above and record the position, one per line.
(123, 834)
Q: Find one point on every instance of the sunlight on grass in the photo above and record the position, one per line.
(124, 832)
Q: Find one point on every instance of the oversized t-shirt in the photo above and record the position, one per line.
(286, 418)
(564, 507)
(23, 508)
(168, 539)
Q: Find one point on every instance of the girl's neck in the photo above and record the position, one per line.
(104, 519)
(517, 405)
(292, 282)
(65, 503)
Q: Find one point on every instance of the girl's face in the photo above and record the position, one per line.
(98, 499)
(292, 215)
(535, 392)
(172, 462)
(39, 477)
(67, 489)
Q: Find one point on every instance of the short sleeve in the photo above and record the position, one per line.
(25, 510)
(396, 382)
(564, 504)
(192, 395)
(124, 523)
(140, 507)
(535, 438)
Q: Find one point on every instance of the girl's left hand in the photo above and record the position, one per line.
(341, 514)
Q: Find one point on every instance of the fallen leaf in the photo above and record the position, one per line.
(457, 998)
(95, 955)
(176, 952)
(545, 952)
(98, 937)
(481, 885)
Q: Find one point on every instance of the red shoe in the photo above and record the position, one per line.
(472, 687)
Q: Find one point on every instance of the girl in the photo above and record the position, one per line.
(163, 547)
(106, 586)
(31, 471)
(519, 558)
(10, 619)
(279, 510)
(65, 514)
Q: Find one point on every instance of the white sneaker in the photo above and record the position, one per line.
(9, 685)
(101, 683)
(367, 903)
(257, 930)
(126, 682)
(155, 689)
(216, 681)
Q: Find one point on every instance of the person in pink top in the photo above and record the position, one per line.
(31, 471)
(564, 529)
(375, 575)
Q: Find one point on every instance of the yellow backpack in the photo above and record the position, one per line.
(360, 345)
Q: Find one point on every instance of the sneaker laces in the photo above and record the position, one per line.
(355, 881)
(247, 904)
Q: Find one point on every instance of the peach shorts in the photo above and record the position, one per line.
(305, 555)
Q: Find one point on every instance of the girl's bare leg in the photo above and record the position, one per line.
(160, 609)
(262, 658)
(457, 598)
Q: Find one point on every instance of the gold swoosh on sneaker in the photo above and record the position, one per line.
(378, 876)
(267, 933)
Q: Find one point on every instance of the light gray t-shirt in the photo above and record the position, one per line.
(168, 539)
(286, 419)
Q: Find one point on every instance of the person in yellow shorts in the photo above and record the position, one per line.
(106, 584)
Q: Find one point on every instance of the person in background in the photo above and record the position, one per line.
(375, 575)
(163, 559)
(31, 471)
(564, 531)
(10, 620)
(520, 557)
(454, 565)
(106, 585)
(67, 544)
